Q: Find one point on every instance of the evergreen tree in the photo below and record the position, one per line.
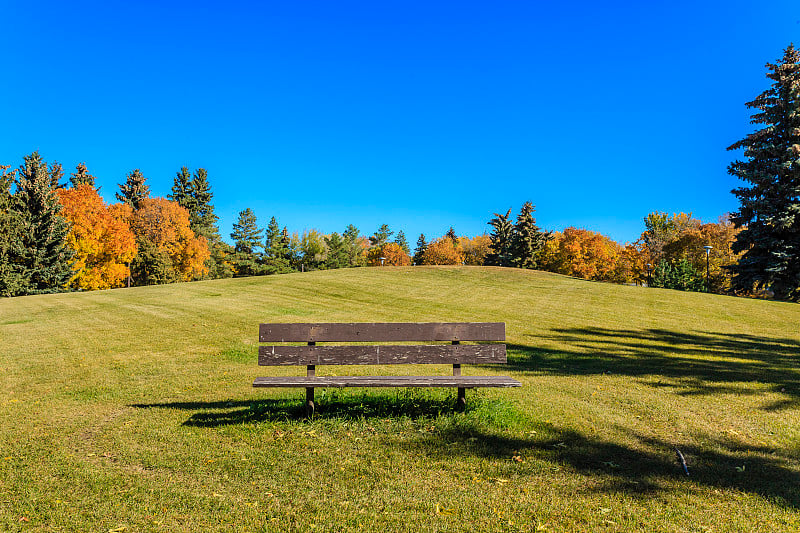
(337, 251)
(42, 256)
(247, 240)
(11, 280)
(680, 276)
(501, 236)
(770, 206)
(527, 240)
(183, 192)
(381, 236)
(134, 190)
(401, 241)
(203, 219)
(451, 234)
(419, 251)
(81, 175)
(56, 174)
(355, 252)
(273, 239)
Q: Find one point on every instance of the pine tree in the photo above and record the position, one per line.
(273, 239)
(451, 234)
(381, 236)
(11, 280)
(501, 236)
(134, 190)
(42, 257)
(401, 241)
(247, 240)
(81, 176)
(527, 240)
(419, 251)
(770, 206)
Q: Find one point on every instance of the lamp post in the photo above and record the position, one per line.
(382, 260)
(649, 270)
(708, 268)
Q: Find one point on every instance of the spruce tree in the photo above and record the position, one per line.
(183, 193)
(337, 251)
(770, 206)
(400, 240)
(81, 176)
(56, 174)
(42, 256)
(419, 251)
(501, 237)
(134, 190)
(11, 280)
(451, 234)
(527, 240)
(247, 241)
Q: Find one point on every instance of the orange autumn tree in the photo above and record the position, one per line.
(392, 253)
(444, 251)
(168, 248)
(583, 254)
(102, 240)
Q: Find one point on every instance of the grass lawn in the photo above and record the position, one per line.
(132, 410)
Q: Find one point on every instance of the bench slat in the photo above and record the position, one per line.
(383, 332)
(382, 355)
(466, 382)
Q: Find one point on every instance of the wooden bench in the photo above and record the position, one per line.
(313, 355)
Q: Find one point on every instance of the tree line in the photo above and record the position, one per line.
(57, 236)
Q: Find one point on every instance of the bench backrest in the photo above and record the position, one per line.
(453, 332)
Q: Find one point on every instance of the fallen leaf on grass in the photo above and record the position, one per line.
(500, 481)
(119, 529)
(740, 468)
(559, 445)
(24, 519)
(611, 464)
(442, 511)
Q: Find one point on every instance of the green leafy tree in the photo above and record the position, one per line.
(770, 205)
(400, 240)
(11, 280)
(419, 251)
(313, 250)
(680, 275)
(42, 256)
(134, 190)
(81, 176)
(527, 241)
(501, 236)
(246, 258)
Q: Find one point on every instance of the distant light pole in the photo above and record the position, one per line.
(708, 268)
(649, 270)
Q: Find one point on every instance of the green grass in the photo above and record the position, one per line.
(133, 408)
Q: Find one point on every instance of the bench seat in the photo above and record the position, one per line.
(467, 382)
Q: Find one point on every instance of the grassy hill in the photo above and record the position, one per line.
(133, 408)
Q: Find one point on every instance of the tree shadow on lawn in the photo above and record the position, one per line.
(336, 406)
(696, 363)
(642, 470)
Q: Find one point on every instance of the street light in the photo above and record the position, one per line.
(708, 269)
(649, 270)
(382, 260)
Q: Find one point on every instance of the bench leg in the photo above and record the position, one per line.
(310, 402)
(461, 402)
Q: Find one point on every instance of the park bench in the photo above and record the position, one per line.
(313, 355)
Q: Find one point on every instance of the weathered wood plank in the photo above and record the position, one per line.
(382, 355)
(383, 332)
(467, 382)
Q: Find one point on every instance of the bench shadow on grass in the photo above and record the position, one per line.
(337, 406)
(696, 363)
(642, 471)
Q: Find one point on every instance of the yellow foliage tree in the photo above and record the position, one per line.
(102, 240)
(584, 254)
(475, 249)
(444, 251)
(392, 253)
(163, 226)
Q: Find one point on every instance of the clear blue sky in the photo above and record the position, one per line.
(418, 114)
